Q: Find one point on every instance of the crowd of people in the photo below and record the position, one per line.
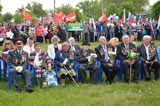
(65, 54)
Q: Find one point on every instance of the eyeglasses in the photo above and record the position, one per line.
(19, 43)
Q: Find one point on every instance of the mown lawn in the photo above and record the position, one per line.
(141, 94)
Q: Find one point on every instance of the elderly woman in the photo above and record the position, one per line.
(73, 46)
(65, 61)
(39, 59)
(114, 42)
(54, 47)
(8, 45)
(30, 45)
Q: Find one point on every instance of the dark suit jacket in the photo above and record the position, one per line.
(100, 52)
(121, 55)
(143, 55)
(15, 59)
(117, 33)
(81, 58)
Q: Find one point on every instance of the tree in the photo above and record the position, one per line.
(79, 15)
(67, 9)
(18, 18)
(129, 7)
(155, 10)
(7, 17)
(112, 8)
(36, 9)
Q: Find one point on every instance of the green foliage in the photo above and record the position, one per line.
(129, 7)
(36, 9)
(18, 18)
(67, 9)
(7, 17)
(155, 10)
(111, 9)
(79, 15)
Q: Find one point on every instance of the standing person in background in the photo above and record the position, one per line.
(147, 28)
(111, 29)
(104, 29)
(50, 32)
(139, 30)
(39, 34)
(118, 31)
(32, 32)
(98, 30)
(85, 32)
(91, 33)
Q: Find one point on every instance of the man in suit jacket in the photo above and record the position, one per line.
(118, 31)
(18, 62)
(103, 56)
(148, 55)
(83, 55)
(125, 63)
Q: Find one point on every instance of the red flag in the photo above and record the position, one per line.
(26, 15)
(56, 17)
(61, 14)
(144, 19)
(104, 18)
(71, 17)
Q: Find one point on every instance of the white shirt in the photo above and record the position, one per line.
(147, 51)
(28, 49)
(51, 51)
(10, 35)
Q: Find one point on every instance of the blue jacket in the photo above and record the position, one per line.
(104, 27)
(60, 57)
(98, 27)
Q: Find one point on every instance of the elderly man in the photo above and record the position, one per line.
(84, 56)
(125, 62)
(18, 62)
(148, 55)
(102, 52)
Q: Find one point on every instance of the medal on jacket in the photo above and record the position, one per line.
(71, 56)
(102, 51)
(60, 55)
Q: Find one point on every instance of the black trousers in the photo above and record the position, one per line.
(125, 66)
(94, 72)
(147, 72)
(110, 74)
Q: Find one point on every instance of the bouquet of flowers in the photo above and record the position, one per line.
(91, 58)
(152, 52)
(132, 55)
(112, 55)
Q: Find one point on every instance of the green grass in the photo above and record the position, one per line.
(120, 93)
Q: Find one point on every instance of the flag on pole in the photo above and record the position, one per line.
(104, 18)
(71, 17)
(144, 20)
(140, 19)
(56, 17)
(61, 15)
(123, 20)
(158, 27)
(26, 15)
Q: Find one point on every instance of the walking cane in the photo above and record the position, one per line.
(130, 71)
(71, 77)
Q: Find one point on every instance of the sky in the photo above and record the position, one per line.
(12, 5)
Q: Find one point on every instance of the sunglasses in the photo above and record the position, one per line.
(7, 43)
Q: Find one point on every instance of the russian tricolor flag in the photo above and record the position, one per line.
(158, 27)
(131, 18)
(123, 20)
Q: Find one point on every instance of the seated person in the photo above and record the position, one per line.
(65, 60)
(84, 56)
(149, 57)
(102, 52)
(29, 47)
(54, 47)
(73, 46)
(18, 63)
(40, 60)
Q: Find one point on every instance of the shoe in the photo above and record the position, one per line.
(110, 82)
(18, 90)
(127, 81)
(29, 89)
(94, 85)
(106, 80)
(135, 81)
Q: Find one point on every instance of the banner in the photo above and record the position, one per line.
(75, 27)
